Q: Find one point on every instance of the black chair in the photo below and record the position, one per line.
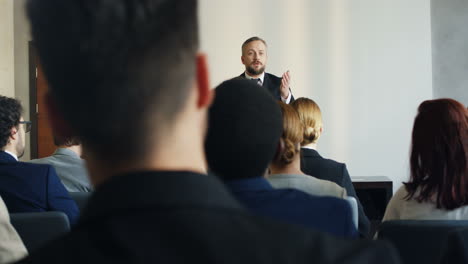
(420, 241)
(36, 229)
(81, 199)
(456, 247)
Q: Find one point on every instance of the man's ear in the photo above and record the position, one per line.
(205, 94)
(56, 120)
(13, 132)
(242, 59)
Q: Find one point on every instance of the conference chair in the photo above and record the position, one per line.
(36, 229)
(420, 241)
(456, 247)
(354, 209)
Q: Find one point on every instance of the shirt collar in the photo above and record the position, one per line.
(67, 152)
(261, 77)
(11, 154)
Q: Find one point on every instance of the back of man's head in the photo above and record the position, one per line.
(62, 142)
(244, 129)
(10, 115)
(119, 71)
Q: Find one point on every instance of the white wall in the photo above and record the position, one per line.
(7, 81)
(22, 37)
(449, 49)
(367, 63)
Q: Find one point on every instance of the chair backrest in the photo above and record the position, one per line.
(354, 208)
(80, 198)
(420, 241)
(456, 247)
(36, 229)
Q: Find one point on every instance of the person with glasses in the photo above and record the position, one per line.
(27, 187)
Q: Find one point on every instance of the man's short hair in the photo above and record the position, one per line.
(253, 39)
(120, 71)
(10, 115)
(243, 135)
(60, 141)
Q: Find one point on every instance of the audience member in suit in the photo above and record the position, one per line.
(438, 184)
(27, 187)
(254, 57)
(285, 169)
(140, 108)
(68, 164)
(11, 246)
(312, 163)
(242, 160)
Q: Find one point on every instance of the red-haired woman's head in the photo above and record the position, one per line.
(439, 154)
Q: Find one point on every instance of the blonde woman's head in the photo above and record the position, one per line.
(292, 135)
(311, 118)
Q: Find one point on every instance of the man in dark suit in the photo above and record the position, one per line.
(254, 142)
(139, 88)
(254, 57)
(27, 187)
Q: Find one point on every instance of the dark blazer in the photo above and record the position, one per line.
(328, 214)
(184, 217)
(29, 187)
(272, 83)
(326, 169)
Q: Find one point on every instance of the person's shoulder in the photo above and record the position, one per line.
(45, 160)
(328, 186)
(401, 193)
(37, 168)
(273, 77)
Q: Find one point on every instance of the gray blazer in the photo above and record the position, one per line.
(70, 169)
(308, 184)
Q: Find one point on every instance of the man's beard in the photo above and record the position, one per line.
(250, 70)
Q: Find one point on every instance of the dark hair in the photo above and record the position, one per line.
(253, 39)
(66, 141)
(243, 135)
(292, 134)
(119, 70)
(439, 154)
(10, 115)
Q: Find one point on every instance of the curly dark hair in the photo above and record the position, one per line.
(10, 115)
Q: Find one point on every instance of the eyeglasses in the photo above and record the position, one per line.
(28, 126)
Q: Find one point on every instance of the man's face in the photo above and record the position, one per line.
(254, 57)
(21, 141)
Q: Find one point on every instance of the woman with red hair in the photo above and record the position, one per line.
(438, 185)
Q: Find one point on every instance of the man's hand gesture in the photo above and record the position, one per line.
(284, 87)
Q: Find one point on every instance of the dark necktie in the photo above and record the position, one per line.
(259, 81)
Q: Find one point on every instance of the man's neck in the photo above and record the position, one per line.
(261, 75)
(176, 151)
